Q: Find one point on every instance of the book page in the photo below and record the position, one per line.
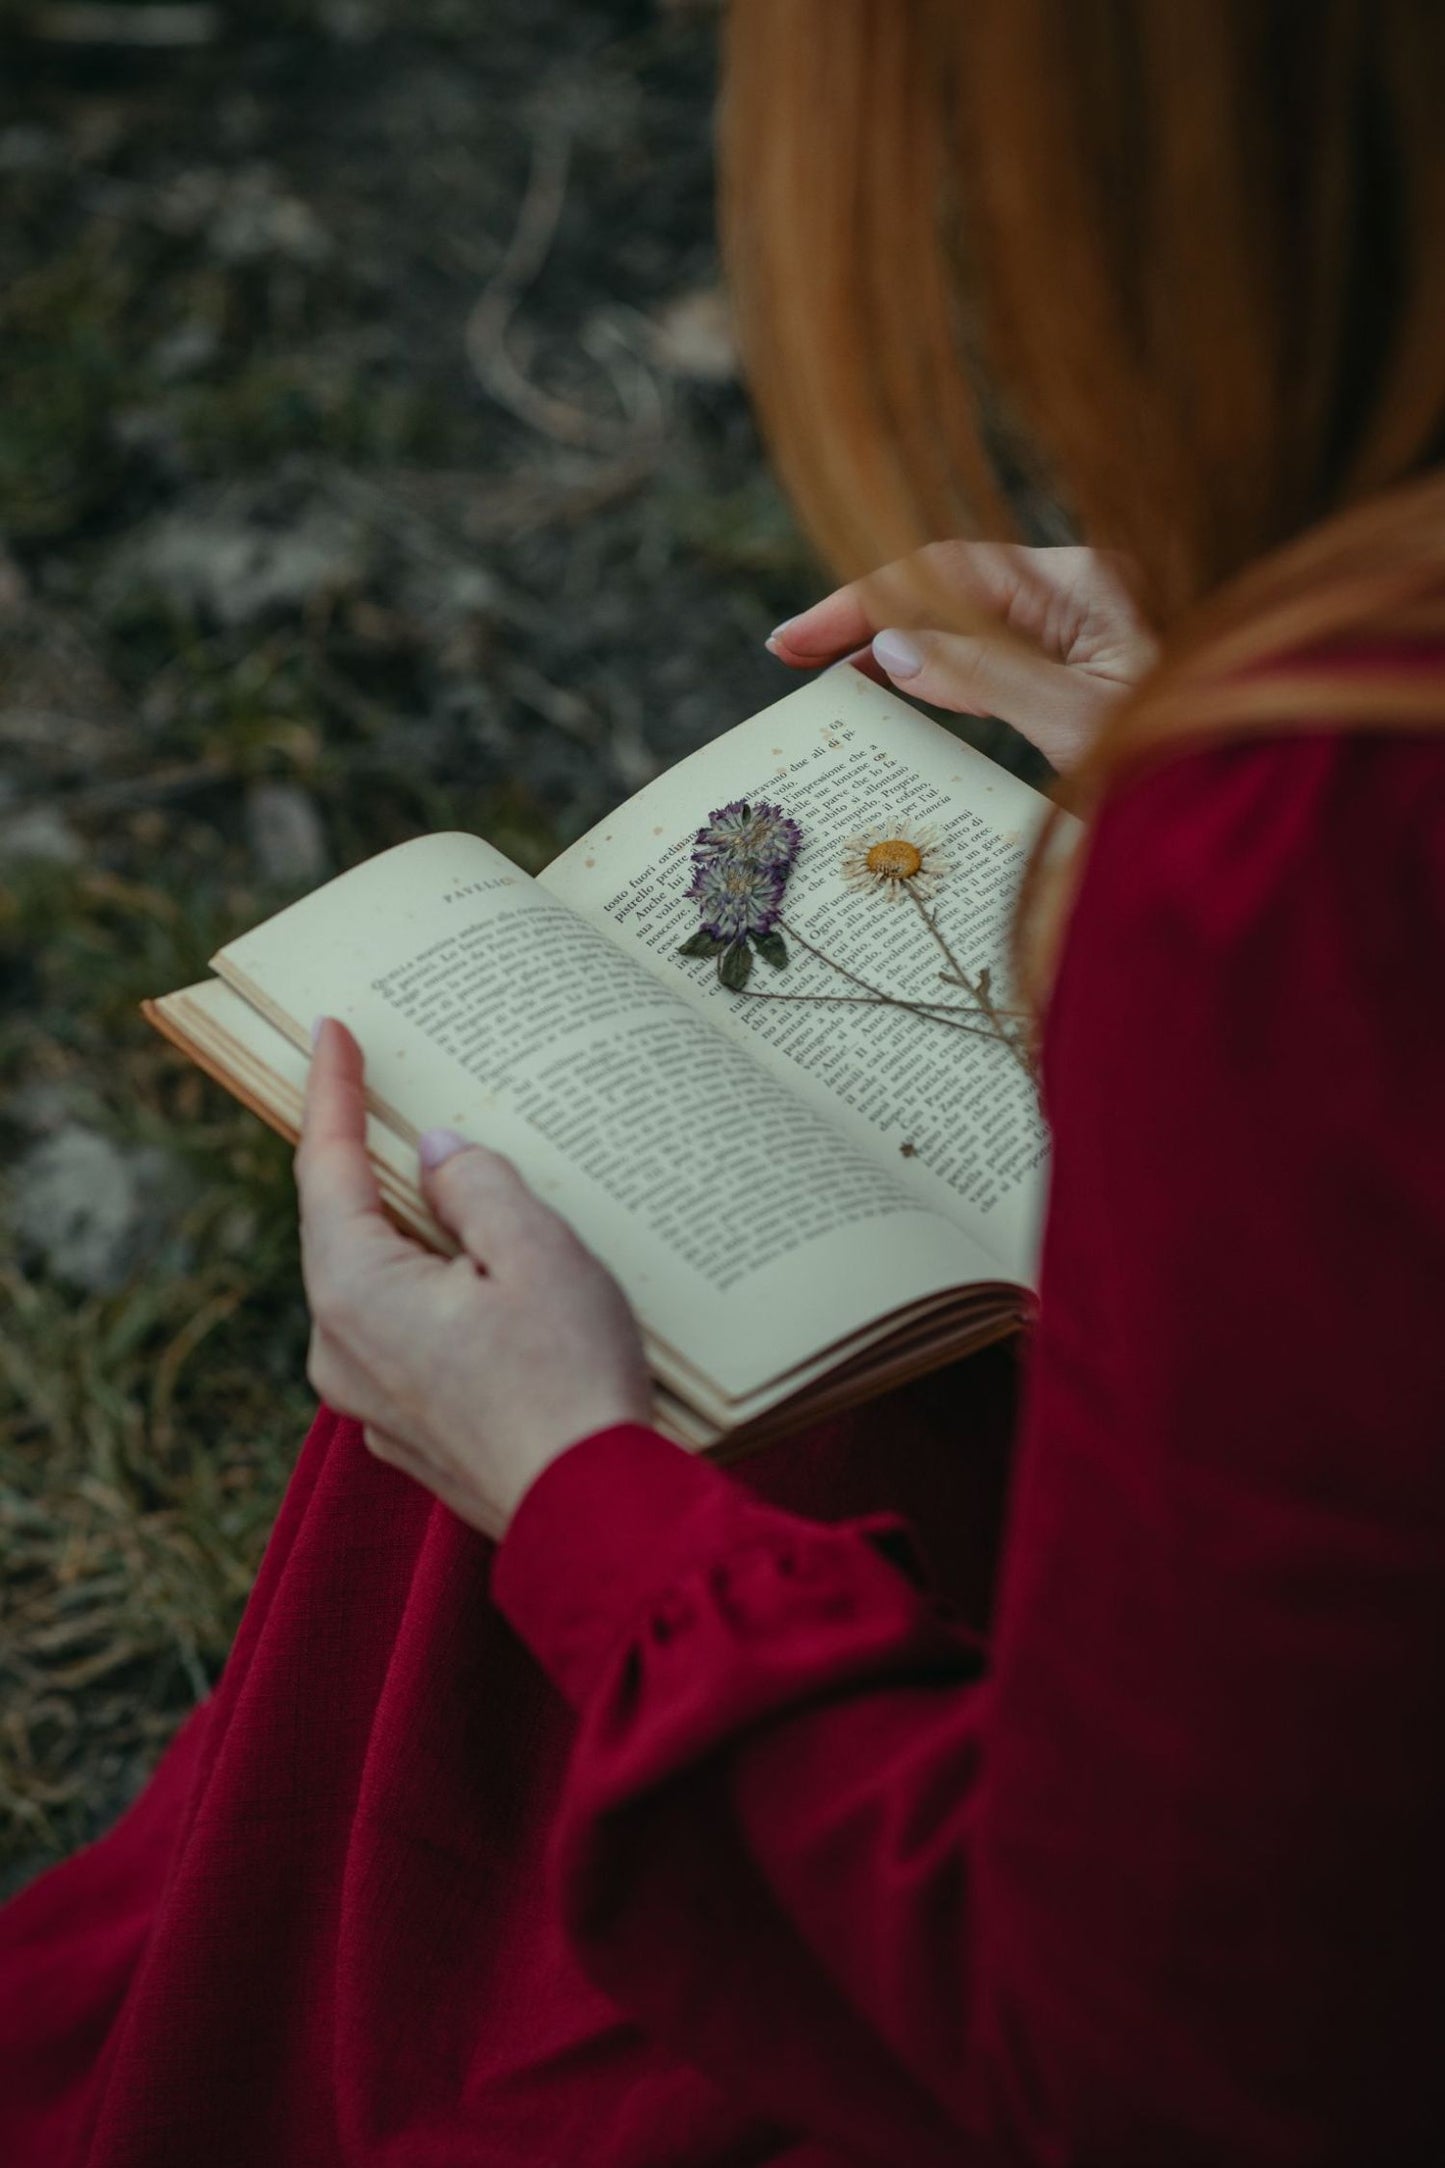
(255, 1061)
(749, 1232)
(948, 1109)
(261, 1066)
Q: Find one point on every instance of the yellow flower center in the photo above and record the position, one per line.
(895, 860)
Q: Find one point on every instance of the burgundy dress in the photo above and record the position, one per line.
(783, 1864)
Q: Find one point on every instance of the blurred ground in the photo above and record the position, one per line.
(371, 460)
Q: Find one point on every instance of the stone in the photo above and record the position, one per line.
(185, 351)
(91, 1209)
(152, 435)
(47, 1104)
(27, 149)
(189, 200)
(239, 569)
(693, 337)
(258, 219)
(285, 833)
(353, 22)
(38, 835)
(459, 591)
(52, 738)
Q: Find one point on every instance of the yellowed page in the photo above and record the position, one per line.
(951, 1113)
(250, 1054)
(256, 1060)
(750, 1233)
(253, 1058)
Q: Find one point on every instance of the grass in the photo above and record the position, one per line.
(133, 1522)
(145, 1435)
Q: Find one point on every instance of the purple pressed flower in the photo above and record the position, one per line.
(736, 898)
(758, 835)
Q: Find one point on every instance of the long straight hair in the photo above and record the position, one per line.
(1174, 266)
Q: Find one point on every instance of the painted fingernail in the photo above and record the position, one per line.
(436, 1146)
(898, 654)
(779, 632)
(317, 1023)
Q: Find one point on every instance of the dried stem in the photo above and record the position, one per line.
(936, 1012)
(931, 1012)
(491, 317)
(977, 988)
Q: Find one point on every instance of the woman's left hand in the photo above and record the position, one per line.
(473, 1373)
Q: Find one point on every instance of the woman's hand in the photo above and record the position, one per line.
(471, 1374)
(1087, 644)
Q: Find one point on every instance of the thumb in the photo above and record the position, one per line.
(479, 1197)
(1058, 708)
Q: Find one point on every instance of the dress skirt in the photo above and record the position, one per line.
(326, 1931)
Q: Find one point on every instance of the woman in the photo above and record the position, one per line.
(1159, 1878)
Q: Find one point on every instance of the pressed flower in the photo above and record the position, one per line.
(741, 865)
(888, 861)
(760, 834)
(736, 898)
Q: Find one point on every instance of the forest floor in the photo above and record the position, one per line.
(372, 461)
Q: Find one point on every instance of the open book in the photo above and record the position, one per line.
(807, 1202)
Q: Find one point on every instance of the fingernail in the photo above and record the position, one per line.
(316, 1024)
(897, 654)
(436, 1146)
(778, 631)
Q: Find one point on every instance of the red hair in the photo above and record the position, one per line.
(1176, 267)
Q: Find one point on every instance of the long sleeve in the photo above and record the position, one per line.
(1162, 1881)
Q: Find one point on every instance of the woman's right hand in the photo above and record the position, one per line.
(1086, 643)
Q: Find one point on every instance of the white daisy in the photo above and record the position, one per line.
(901, 856)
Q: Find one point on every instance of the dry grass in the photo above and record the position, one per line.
(145, 1435)
(132, 1514)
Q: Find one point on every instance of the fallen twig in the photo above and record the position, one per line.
(492, 314)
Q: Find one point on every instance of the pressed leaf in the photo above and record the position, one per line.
(703, 943)
(737, 966)
(772, 948)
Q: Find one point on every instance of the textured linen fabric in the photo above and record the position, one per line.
(809, 1879)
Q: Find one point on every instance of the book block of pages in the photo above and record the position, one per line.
(806, 1202)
